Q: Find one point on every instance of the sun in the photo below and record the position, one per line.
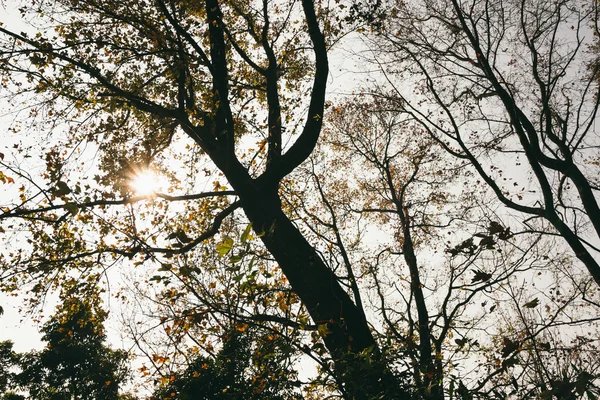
(147, 182)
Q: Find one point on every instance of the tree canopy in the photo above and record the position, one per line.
(75, 364)
(432, 235)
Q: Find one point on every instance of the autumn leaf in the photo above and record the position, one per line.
(544, 345)
(225, 246)
(172, 236)
(495, 227)
(6, 179)
(511, 362)
(181, 236)
(488, 242)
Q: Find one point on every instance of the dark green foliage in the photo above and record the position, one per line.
(236, 372)
(75, 364)
(12, 396)
(8, 359)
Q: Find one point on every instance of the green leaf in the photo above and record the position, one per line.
(323, 330)
(246, 233)
(532, 304)
(185, 271)
(165, 267)
(225, 246)
(236, 258)
(303, 319)
(61, 189)
(72, 208)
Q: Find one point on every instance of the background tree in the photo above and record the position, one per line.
(453, 286)
(239, 300)
(8, 363)
(75, 364)
(237, 371)
(498, 87)
(506, 87)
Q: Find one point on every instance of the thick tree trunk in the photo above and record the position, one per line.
(358, 362)
(359, 365)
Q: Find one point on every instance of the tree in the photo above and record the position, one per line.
(537, 357)
(146, 73)
(8, 361)
(511, 89)
(468, 64)
(449, 303)
(230, 374)
(75, 364)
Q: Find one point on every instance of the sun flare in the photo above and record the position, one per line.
(147, 182)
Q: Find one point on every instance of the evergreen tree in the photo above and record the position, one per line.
(237, 371)
(75, 364)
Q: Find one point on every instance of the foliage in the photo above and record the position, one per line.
(75, 364)
(8, 360)
(236, 371)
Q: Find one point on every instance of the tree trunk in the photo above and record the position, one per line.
(359, 365)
